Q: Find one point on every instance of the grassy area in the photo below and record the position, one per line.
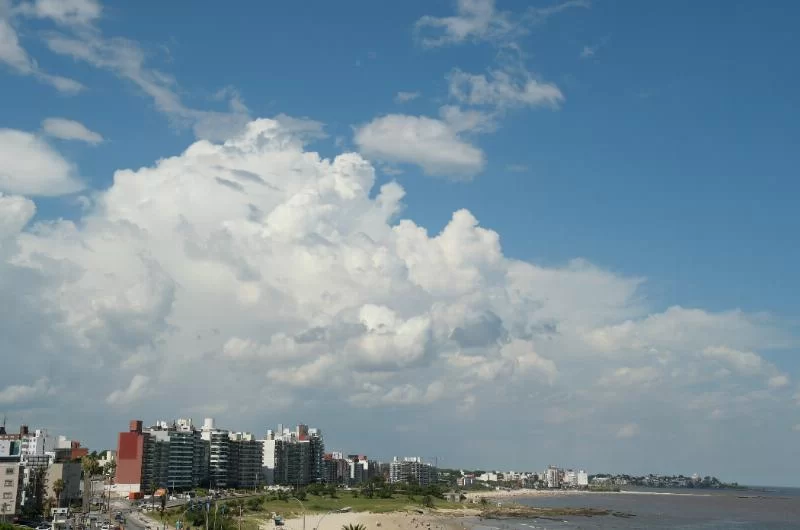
(313, 505)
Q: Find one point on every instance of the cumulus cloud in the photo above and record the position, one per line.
(432, 144)
(15, 213)
(135, 390)
(744, 362)
(778, 381)
(257, 274)
(17, 394)
(65, 129)
(29, 166)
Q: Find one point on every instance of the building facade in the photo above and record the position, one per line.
(294, 458)
(245, 460)
(10, 477)
(412, 470)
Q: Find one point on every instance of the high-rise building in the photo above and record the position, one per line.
(245, 460)
(412, 470)
(294, 458)
(219, 450)
(133, 468)
(552, 476)
(176, 451)
(166, 455)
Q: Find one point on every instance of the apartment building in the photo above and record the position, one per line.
(294, 458)
(10, 477)
(245, 459)
(218, 455)
(412, 470)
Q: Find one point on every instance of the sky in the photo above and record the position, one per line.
(501, 234)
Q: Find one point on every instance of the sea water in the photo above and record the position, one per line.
(752, 509)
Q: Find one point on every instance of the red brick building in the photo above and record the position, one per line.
(130, 457)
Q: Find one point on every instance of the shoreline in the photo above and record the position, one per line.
(475, 496)
(433, 520)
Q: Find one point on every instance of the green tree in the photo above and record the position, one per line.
(58, 487)
(90, 469)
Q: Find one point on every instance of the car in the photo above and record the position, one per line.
(44, 527)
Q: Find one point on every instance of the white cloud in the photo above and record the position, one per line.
(15, 57)
(480, 20)
(29, 166)
(501, 89)
(15, 213)
(744, 362)
(631, 376)
(629, 430)
(405, 97)
(427, 142)
(16, 394)
(125, 58)
(253, 274)
(67, 12)
(588, 52)
(136, 390)
(778, 381)
(70, 130)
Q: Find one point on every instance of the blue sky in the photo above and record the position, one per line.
(655, 144)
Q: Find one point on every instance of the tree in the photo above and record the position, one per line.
(484, 502)
(58, 487)
(90, 468)
(352, 526)
(427, 501)
(34, 493)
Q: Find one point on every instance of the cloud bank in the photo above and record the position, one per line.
(254, 278)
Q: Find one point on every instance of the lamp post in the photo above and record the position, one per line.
(319, 523)
(304, 510)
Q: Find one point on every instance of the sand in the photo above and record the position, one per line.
(440, 520)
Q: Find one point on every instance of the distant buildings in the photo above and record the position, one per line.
(412, 470)
(553, 477)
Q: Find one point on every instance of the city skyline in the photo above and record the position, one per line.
(485, 230)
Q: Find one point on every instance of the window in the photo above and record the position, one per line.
(8, 483)
(6, 494)
(9, 471)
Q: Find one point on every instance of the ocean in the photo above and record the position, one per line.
(754, 509)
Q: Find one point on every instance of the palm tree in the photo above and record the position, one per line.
(90, 469)
(356, 526)
(58, 487)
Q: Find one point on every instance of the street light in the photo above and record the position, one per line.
(319, 523)
(304, 510)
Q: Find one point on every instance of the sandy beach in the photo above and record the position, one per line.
(440, 520)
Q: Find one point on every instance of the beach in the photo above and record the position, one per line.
(439, 520)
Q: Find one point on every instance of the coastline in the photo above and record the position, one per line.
(434, 520)
(475, 496)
